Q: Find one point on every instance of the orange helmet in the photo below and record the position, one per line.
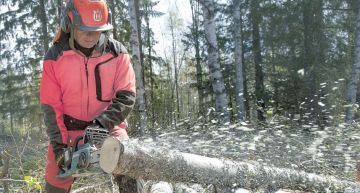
(86, 15)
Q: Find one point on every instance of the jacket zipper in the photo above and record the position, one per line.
(87, 86)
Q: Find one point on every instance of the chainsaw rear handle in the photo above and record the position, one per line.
(76, 143)
(79, 159)
(69, 152)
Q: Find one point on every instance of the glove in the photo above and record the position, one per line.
(59, 151)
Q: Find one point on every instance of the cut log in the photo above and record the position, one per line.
(161, 187)
(150, 163)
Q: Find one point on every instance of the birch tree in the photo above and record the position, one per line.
(136, 58)
(239, 84)
(221, 98)
(354, 80)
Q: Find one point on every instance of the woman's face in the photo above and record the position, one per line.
(86, 39)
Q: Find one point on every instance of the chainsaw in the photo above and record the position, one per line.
(82, 158)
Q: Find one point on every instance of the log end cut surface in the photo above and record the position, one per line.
(109, 154)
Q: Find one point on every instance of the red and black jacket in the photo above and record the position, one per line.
(100, 87)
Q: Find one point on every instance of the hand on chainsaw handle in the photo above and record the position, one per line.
(59, 152)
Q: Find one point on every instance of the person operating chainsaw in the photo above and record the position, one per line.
(87, 82)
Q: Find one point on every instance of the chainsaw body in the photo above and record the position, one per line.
(82, 159)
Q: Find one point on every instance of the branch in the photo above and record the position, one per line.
(11, 180)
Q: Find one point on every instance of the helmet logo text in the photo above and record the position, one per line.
(97, 15)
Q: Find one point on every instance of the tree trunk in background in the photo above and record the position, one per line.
(256, 48)
(149, 46)
(113, 15)
(59, 6)
(313, 57)
(176, 70)
(44, 23)
(170, 99)
(195, 11)
(221, 99)
(140, 89)
(239, 83)
(245, 80)
(273, 53)
(138, 23)
(45, 41)
(354, 80)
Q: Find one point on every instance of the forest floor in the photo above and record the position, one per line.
(329, 151)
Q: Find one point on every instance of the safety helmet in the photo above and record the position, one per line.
(86, 15)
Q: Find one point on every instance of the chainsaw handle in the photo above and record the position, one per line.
(76, 143)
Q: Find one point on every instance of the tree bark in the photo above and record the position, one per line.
(239, 83)
(149, 45)
(44, 23)
(354, 80)
(136, 58)
(221, 98)
(173, 25)
(256, 48)
(150, 163)
(313, 57)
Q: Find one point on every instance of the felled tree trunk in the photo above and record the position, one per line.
(161, 187)
(153, 163)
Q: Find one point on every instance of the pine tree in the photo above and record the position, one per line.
(25, 38)
(239, 83)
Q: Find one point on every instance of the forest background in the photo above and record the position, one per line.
(260, 64)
